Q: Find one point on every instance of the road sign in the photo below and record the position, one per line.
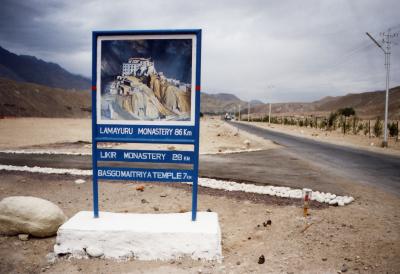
(146, 89)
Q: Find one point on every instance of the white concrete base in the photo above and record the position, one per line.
(140, 236)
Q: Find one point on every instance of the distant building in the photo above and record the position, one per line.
(138, 67)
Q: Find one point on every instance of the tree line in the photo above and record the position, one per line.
(344, 119)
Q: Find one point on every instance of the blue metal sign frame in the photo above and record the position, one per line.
(134, 133)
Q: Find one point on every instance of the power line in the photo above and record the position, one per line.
(346, 58)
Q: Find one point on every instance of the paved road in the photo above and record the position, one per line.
(357, 164)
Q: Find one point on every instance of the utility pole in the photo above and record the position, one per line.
(239, 111)
(248, 112)
(387, 44)
(269, 115)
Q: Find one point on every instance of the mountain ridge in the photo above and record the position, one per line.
(27, 68)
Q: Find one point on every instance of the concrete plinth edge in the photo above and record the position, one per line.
(123, 236)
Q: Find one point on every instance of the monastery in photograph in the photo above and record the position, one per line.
(138, 67)
(141, 67)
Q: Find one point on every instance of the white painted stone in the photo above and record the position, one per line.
(29, 215)
(205, 182)
(23, 237)
(94, 251)
(141, 236)
(80, 181)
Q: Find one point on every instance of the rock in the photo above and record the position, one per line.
(344, 268)
(163, 195)
(80, 181)
(30, 215)
(209, 210)
(324, 259)
(237, 263)
(144, 201)
(261, 259)
(246, 143)
(94, 252)
(51, 258)
(156, 208)
(23, 237)
(348, 259)
(140, 188)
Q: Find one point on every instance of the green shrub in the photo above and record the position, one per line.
(360, 127)
(366, 128)
(332, 120)
(348, 111)
(285, 121)
(378, 127)
(393, 129)
(323, 124)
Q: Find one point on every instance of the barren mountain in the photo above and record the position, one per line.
(368, 105)
(221, 103)
(31, 100)
(25, 68)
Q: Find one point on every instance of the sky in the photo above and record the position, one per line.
(273, 51)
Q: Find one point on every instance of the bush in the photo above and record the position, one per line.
(378, 127)
(366, 128)
(274, 120)
(393, 129)
(348, 111)
(306, 123)
(360, 127)
(332, 120)
(285, 121)
(323, 124)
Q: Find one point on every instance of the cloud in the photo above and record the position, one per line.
(267, 50)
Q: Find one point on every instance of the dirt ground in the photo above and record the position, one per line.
(57, 134)
(337, 137)
(363, 237)
(360, 238)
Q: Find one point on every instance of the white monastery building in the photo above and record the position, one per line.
(138, 67)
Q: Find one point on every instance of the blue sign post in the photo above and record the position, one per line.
(146, 89)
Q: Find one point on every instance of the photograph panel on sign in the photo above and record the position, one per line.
(146, 79)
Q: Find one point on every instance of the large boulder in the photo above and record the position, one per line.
(29, 215)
